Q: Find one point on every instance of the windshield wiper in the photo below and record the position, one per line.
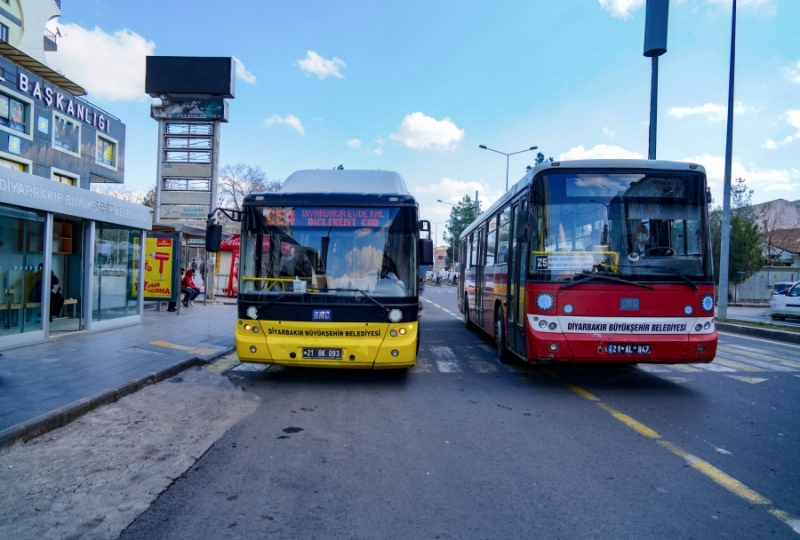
(384, 308)
(683, 277)
(592, 277)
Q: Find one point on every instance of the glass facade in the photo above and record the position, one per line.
(117, 259)
(22, 285)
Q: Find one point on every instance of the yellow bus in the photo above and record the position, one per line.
(329, 271)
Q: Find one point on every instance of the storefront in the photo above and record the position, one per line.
(70, 259)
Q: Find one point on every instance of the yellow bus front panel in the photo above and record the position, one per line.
(362, 345)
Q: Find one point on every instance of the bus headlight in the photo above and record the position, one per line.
(395, 315)
(247, 328)
(707, 325)
(542, 324)
(698, 327)
(707, 303)
(393, 333)
(255, 329)
(545, 301)
(568, 309)
(402, 331)
(688, 310)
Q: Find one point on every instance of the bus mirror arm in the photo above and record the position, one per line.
(214, 229)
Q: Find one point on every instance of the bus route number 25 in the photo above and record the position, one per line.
(541, 263)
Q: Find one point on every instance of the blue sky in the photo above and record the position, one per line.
(416, 86)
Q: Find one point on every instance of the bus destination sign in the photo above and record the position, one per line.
(330, 217)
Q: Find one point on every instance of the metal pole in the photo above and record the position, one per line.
(724, 259)
(159, 172)
(651, 151)
(210, 268)
(507, 172)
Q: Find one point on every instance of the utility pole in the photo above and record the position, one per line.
(725, 248)
(655, 44)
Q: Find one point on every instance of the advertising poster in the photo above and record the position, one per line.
(195, 109)
(159, 268)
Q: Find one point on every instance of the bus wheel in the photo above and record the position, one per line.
(500, 338)
(467, 321)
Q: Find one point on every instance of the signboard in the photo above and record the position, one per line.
(186, 170)
(31, 191)
(184, 212)
(193, 109)
(135, 264)
(186, 197)
(330, 217)
(160, 268)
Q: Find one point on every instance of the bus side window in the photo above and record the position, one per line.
(504, 231)
(473, 254)
(491, 241)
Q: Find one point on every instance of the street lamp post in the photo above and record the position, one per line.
(507, 156)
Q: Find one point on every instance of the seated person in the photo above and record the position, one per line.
(189, 289)
(388, 268)
(640, 240)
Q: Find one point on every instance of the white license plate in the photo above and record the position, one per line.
(326, 354)
(619, 348)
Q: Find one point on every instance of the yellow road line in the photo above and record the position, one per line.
(729, 483)
(641, 429)
(225, 363)
(196, 350)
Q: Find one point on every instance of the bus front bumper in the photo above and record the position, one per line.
(357, 345)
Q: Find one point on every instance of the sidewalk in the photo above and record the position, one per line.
(43, 387)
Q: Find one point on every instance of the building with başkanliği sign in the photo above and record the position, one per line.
(70, 258)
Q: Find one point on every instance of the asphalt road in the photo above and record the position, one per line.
(464, 447)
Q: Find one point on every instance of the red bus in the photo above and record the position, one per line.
(605, 261)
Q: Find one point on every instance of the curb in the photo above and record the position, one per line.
(66, 414)
(777, 335)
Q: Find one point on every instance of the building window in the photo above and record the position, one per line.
(10, 164)
(66, 135)
(13, 113)
(106, 152)
(3, 33)
(65, 179)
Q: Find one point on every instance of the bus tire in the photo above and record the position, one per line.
(467, 321)
(500, 338)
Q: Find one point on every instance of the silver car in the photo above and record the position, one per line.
(785, 303)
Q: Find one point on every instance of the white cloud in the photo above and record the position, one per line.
(452, 190)
(792, 72)
(354, 143)
(712, 111)
(421, 132)
(621, 8)
(599, 151)
(321, 67)
(117, 67)
(793, 119)
(760, 180)
(290, 120)
(608, 132)
(242, 73)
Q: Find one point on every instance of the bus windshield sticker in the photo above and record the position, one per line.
(541, 262)
(583, 261)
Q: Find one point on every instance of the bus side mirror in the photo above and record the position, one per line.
(213, 237)
(425, 248)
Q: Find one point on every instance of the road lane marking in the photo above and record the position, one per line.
(422, 365)
(769, 366)
(751, 380)
(686, 368)
(749, 352)
(446, 360)
(481, 366)
(652, 368)
(729, 483)
(714, 367)
(742, 336)
(444, 309)
(708, 470)
(733, 364)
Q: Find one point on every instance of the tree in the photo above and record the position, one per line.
(539, 160)
(237, 181)
(150, 198)
(745, 257)
(119, 192)
(461, 215)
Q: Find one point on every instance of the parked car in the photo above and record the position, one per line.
(782, 286)
(786, 303)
